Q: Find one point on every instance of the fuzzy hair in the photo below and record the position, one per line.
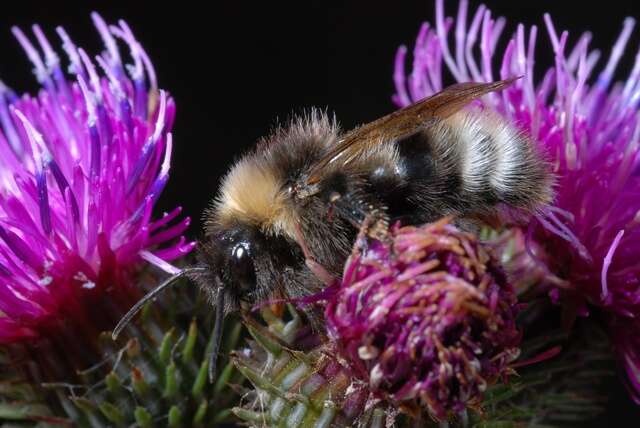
(255, 189)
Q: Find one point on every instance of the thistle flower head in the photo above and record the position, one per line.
(82, 164)
(590, 127)
(425, 319)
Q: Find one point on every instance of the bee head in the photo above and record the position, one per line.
(225, 271)
(229, 257)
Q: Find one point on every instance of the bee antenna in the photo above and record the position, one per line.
(217, 334)
(149, 296)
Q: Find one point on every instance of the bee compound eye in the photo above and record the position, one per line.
(242, 269)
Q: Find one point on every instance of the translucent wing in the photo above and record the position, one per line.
(402, 123)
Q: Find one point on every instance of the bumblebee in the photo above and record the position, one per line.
(286, 215)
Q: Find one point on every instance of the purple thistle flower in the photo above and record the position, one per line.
(82, 164)
(427, 320)
(589, 126)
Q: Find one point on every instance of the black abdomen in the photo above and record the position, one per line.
(465, 165)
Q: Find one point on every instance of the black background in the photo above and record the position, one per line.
(236, 68)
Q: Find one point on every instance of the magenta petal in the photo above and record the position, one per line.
(80, 181)
(11, 331)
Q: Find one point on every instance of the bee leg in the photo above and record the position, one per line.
(319, 271)
(316, 268)
(361, 213)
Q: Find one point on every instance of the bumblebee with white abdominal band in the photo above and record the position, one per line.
(287, 213)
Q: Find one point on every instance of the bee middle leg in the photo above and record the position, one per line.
(347, 199)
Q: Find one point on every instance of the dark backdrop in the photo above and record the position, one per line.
(235, 68)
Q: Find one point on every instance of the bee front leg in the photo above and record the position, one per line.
(316, 268)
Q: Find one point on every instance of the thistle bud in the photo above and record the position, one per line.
(427, 318)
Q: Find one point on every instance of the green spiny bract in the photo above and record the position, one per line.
(154, 375)
(298, 382)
